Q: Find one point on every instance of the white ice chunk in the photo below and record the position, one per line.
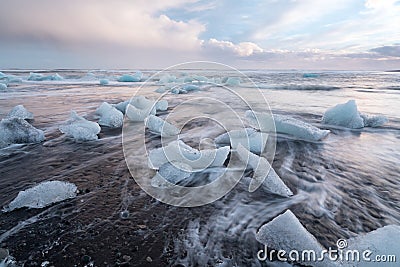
(345, 115)
(42, 195)
(167, 79)
(80, 129)
(285, 232)
(374, 121)
(263, 173)
(197, 78)
(141, 102)
(160, 90)
(161, 127)
(136, 114)
(14, 79)
(139, 107)
(18, 131)
(2, 75)
(190, 87)
(137, 77)
(177, 91)
(249, 138)
(178, 151)
(232, 81)
(20, 112)
(104, 81)
(162, 105)
(41, 77)
(171, 174)
(382, 241)
(286, 125)
(3, 86)
(121, 106)
(110, 116)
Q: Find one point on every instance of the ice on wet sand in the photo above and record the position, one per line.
(285, 125)
(42, 195)
(263, 173)
(18, 131)
(374, 121)
(41, 77)
(285, 232)
(249, 138)
(80, 129)
(109, 116)
(178, 151)
(139, 107)
(382, 241)
(104, 81)
(171, 173)
(160, 127)
(20, 112)
(137, 77)
(347, 115)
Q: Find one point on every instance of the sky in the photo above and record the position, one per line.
(252, 34)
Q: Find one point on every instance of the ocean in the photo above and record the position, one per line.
(344, 185)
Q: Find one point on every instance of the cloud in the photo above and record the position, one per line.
(77, 23)
(158, 33)
(388, 50)
(241, 49)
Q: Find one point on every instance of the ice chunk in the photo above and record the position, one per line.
(137, 77)
(2, 75)
(373, 121)
(310, 75)
(232, 81)
(249, 138)
(20, 112)
(160, 90)
(162, 105)
(345, 115)
(42, 195)
(197, 79)
(172, 173)
(80, 129)
(13, 79)
(158, 126)
(286, 125)
(190, 87)
(140, 107)
(18, 131)
(104, 81)
(121, 106)
(142, 102)
(41, 77)
(178, 151)
(263, 173)
(285, 232)
(136, 114)
(3, 86)
(383, 241)
(167, 79)
(110, 116)
(177, 91)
